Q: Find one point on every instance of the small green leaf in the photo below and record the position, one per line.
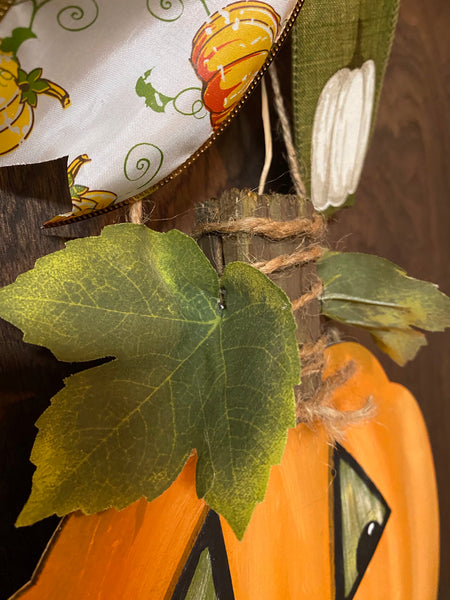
(40, 86)
(34, 75)
(30, 85)
(188, 374)
(18, 36)
(371, 292)
(153, 99)
(77, 190)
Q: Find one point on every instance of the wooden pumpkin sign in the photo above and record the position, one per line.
(357, 520)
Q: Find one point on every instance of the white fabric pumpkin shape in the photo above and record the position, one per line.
(341, 134)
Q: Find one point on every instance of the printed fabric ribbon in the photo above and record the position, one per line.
(127, 90)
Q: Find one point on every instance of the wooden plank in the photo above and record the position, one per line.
(29, 375)
(135, 553)
(402, 210)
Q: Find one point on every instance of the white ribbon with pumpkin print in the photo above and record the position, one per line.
(128, 90)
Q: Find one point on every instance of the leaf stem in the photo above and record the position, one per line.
(327, 297)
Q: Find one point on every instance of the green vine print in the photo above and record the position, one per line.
(71, 18)
(205, 7)
(182, 102)
(142, 163)
(75, 18)
(169, 10)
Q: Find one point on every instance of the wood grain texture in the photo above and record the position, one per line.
(402, 210)
(29, 375)
(136, 554)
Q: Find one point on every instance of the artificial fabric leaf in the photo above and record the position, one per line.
(401, 345)
(199, 364)
(371, 292)
(339, 56)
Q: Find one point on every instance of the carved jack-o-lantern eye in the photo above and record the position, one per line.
(360, 516)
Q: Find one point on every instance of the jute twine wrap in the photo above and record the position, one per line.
(316, 408)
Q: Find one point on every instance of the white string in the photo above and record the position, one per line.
(267, 138)
(287, 136)
(135, 212)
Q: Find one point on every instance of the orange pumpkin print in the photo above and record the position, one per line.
(18, 99)
(229, 50)
(84, 200)
(354, 521)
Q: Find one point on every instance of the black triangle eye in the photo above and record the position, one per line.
(360, 517)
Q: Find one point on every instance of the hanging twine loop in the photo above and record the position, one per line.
(314, 395)
(307, 234)
(313, 227)
(309, 230)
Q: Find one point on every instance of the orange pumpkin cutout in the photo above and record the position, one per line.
(357, 521)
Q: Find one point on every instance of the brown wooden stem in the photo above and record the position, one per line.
(231, 239)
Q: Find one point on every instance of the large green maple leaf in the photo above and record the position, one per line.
(199, 363)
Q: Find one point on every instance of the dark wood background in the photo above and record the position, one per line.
(402, 213)
(403, 210)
